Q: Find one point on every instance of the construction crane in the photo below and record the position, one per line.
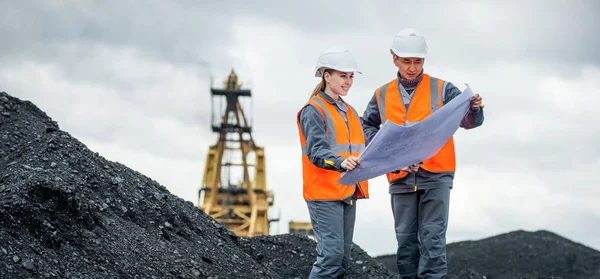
(234, 189)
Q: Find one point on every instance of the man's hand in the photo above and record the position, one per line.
(350, 163)
(476, 102)
(410, 169)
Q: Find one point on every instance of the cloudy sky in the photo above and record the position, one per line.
(131, 80)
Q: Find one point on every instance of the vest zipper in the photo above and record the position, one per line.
(409, 105)
(406, 118)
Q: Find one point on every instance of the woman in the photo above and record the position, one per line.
(332, 138)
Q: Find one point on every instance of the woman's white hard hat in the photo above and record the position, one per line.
(338, 59)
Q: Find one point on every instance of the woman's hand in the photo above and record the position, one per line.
(350, 163)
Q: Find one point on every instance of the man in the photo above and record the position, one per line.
(420, 194)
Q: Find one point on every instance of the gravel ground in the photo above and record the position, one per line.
(292, 256)
(518, 255)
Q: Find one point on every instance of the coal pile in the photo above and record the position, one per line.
(67, 212)
(292, 256)
(519, 254)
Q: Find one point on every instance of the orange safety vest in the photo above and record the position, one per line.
(345, 139)
(425, 100)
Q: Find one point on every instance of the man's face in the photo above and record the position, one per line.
(409, 67)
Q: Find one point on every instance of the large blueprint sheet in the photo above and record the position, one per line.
(397, 146)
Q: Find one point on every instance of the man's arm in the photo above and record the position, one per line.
(319, 150)
(371, 120)
(473, 118)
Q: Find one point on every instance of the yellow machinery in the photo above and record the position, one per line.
(301, 228)
(233, 189)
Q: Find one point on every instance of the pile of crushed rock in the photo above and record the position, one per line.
(519, 255)
(290, 255)
(67, 212)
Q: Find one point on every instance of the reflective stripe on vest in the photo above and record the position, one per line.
(434, 95)
(341, 148)
(330, 130)
(426, 99)
(345, 139)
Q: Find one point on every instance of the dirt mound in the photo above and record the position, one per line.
(66, 212)
(293, 255)
(519, 254)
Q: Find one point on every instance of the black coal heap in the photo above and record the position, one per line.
(519, 254)
(67, 212)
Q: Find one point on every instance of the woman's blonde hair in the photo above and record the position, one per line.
(320, 86)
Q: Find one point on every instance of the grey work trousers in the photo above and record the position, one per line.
(421, 220)
(333, 225)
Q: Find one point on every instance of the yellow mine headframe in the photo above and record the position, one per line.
(234, 189)
(301, 228)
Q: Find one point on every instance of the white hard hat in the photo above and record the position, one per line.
(409, 43)
(338, 59)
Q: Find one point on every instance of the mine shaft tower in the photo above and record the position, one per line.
(240, 204)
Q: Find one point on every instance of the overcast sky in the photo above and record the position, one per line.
(131, 79)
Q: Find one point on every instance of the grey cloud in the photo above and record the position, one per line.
(560, 31)
(84, 47)
(179, 33)
(552, 145)
(85, 41)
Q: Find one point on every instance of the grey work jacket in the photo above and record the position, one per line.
(422, 179)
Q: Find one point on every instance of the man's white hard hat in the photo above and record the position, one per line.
(338, 59)
(409, 43)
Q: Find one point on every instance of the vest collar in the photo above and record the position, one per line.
(328, 98)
